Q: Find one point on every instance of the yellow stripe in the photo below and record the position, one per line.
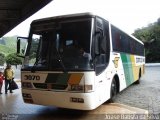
(75, 78)
(135, 68)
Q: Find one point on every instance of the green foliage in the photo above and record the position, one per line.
(6, 50)
(11, 41)
(2, 59)
(10, 45)
(13, 59)
(150, 35)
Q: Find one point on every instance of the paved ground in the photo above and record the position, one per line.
(145, 96)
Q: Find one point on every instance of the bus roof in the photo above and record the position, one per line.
(80, 15)
(87, 14)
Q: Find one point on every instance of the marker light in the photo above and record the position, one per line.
(81, 88)
(26, 85)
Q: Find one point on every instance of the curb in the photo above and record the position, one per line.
(152, 64)
(117, 108)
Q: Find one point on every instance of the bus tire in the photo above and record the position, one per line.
(114, 90)
(139, 78)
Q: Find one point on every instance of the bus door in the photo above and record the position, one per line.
(101, 54)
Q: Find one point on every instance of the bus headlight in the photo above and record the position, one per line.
(26, 95)
(81, 88)
(88, 88)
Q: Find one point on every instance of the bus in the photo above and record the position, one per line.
(77, 61)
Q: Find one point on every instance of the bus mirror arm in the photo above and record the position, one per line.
(97, 45)
(18, 46)
(97, 50)
(99, 36)
(99, 32)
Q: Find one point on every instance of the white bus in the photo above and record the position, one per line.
(78, 61)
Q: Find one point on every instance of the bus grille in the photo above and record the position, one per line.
(40, 85)
(50, 86)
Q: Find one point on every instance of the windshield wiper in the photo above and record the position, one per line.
(59, 56)
(61, 62)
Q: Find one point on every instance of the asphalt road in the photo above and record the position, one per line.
(144, 95)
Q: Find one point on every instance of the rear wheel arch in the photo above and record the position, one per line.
(139, 76)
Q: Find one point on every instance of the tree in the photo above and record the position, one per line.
(13, 59)
(150, 35)
(2, 59)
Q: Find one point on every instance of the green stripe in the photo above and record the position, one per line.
(58, 78)
(51, 78)
(127, 66)
(63, 78)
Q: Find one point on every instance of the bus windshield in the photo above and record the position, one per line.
(61, 46)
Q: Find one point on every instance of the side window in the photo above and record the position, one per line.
(103, 44)
(107, 41)
(116, 38)
(122, 42)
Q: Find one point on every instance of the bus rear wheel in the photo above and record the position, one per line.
(139, 78)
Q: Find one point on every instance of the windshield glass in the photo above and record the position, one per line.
(61, 45)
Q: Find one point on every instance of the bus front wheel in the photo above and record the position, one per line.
(113, 90)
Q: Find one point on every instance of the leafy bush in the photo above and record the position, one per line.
(13, 59)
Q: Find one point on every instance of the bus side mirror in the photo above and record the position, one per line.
(97, 47)
(21, 46)
(98, 40)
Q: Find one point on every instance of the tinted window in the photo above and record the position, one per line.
(124, 43)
